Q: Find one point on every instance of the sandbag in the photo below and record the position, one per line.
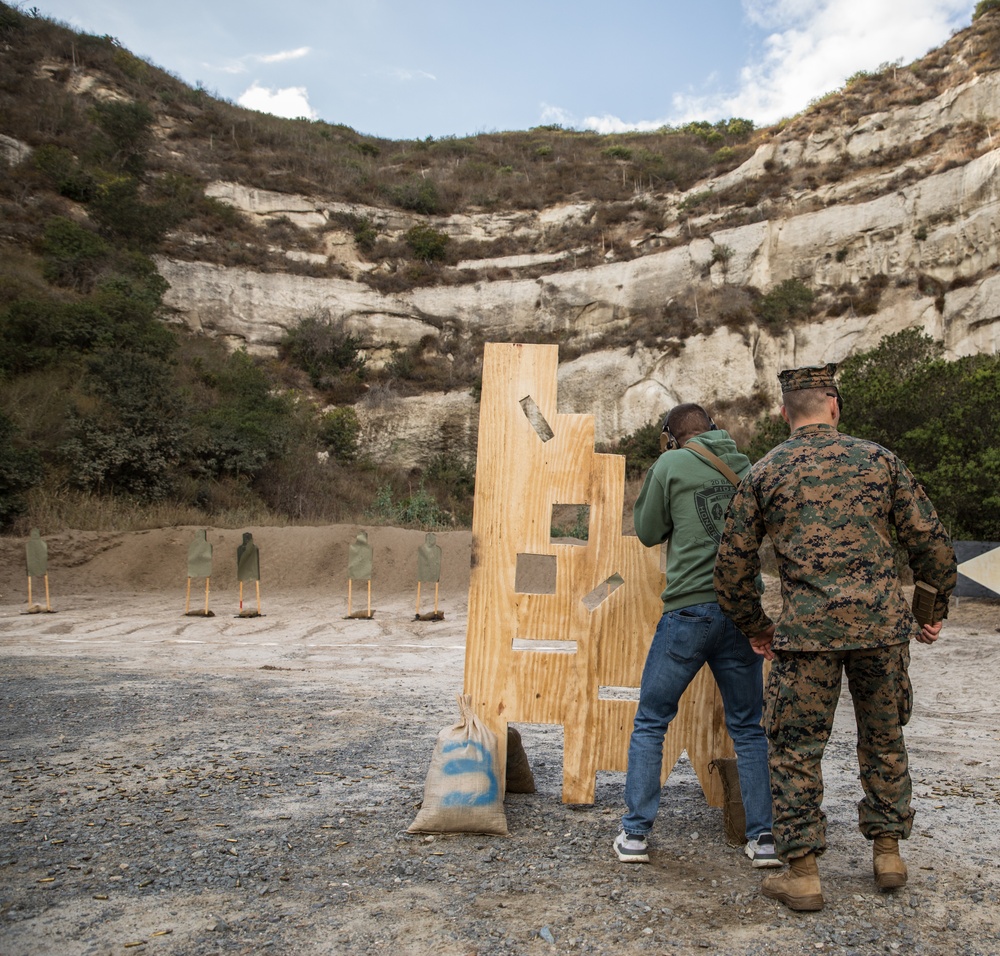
(734, 817)
(462, 789)
(520, 779)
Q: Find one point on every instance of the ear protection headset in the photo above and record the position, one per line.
(668, 441)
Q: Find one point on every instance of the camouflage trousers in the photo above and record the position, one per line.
(802, 693)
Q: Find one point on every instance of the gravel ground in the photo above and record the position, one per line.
(238, 786)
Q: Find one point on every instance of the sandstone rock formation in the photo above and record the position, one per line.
(931, 216)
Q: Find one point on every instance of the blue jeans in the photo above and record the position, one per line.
(685, 639)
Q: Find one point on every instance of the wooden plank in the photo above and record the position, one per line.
(530, 458)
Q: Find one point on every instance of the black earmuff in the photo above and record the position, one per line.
(667, 440)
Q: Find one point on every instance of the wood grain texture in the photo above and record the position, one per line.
(522, 470)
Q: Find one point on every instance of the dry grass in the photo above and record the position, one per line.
(52, 510)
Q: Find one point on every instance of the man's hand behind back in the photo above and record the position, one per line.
(761, 642)
(929, 633)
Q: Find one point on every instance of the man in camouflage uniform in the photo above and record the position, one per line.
(830, 503)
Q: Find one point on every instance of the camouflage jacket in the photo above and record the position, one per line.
(829, 503)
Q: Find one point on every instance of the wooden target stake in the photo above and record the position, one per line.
(29, 590)
(369, 597)
(349, 583)
(257, 582)
(241, 595)
(48, 606)
(418, 597)
(187, 600)
(206, 595)
(435, 597)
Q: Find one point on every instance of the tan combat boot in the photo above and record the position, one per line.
(890, 870)
(798, 886)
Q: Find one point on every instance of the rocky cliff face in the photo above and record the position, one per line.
(909, 194)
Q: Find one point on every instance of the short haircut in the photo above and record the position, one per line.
(807, 402)
(686, 421)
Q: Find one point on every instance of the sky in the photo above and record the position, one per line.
(410, 69)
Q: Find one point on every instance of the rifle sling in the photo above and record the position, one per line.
(716, 462)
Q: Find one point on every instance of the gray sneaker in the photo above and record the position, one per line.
(761, 851)
(631, 847)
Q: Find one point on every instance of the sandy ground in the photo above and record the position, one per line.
(188, 785)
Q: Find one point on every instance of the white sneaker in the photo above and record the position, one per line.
(631, 847)
(761, 851)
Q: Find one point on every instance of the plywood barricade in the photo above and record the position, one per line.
(557, 651)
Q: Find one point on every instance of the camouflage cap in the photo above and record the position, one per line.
(811, 376)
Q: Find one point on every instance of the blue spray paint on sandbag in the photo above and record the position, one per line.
(464, 765)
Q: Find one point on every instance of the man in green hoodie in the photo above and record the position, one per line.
(683, 501)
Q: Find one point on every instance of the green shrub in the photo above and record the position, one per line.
(417, 195)
(365, 234)
(133, 438)
(125, 217)
(418, 508)
(784, 304)
(124, 135)
(247, 427)
(61, 168)
(696, 200)
(339, 430)
(983, 7)
(324, 350)
(450, 471)
(72, 255)
(641, 448)
(427, 244)
(618, 152)
(769, 430)
(939, 417)
(20, 470)
(37, 334)
(330, 356)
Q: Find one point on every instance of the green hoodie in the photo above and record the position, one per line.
(684, 500)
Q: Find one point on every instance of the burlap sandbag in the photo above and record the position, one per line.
(734, 817)
(462, 789)
(520, 779)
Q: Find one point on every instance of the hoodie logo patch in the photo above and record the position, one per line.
(711, 503)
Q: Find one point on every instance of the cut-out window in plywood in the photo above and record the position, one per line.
(570, 523)
(534, 415)
(557, 630)
(602, 592)
(535, 574)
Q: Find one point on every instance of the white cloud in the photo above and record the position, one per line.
(291, 102)
(817, 44)
(556, 116)
(283, 55)
(612, 124)
(813, 47)
(240, 65)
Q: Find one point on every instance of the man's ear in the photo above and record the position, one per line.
(784, 415)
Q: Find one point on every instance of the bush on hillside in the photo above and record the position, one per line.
(785, 303)
(983, 7)
(132, 438)
(20, 470)
(327, 353)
